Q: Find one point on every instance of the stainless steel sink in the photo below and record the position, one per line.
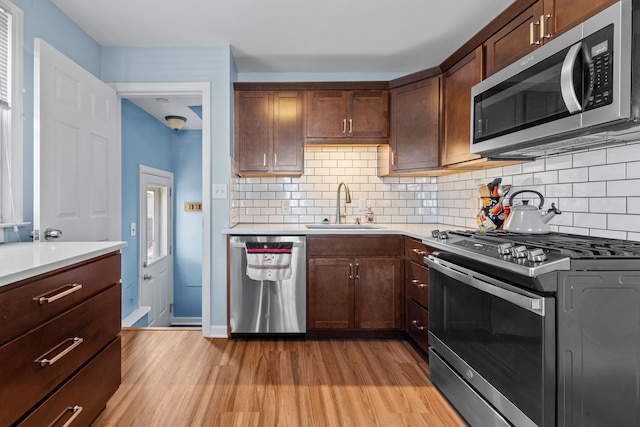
(342, 226)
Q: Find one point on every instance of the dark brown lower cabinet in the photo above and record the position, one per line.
(355, 293)
(417, 292)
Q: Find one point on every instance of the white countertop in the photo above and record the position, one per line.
(20, 261)
(418, 231)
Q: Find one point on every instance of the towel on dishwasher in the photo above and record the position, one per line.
(269, 260)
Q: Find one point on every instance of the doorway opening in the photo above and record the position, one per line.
(201, 90)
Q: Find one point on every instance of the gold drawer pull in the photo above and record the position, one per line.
(418, 325)
(75, 287)
(75, 411)
(419, 252)
(419, 284)
(43, 361)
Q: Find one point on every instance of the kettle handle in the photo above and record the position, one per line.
(527, 191)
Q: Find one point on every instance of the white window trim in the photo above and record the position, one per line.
(17, 109)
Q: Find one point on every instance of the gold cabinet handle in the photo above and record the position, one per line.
(74, 409)
(418, 325)
(350, 271)
(43, 361)
(275, 159)
(532, 33)
(393, 158)
(420, 252)
(75, 287)
(264, 159)
(419, 283)
(357, 271)
(344, 126)
(350, 125)
(544, 33)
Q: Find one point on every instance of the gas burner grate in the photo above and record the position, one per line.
(573, 246)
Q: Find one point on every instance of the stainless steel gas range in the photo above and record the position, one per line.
(536, 330)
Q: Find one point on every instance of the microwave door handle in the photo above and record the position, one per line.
(568, 90)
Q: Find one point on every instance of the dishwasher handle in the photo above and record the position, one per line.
(242, 245)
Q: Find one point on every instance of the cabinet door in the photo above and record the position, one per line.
(457, 108)
(253, 130)
(330, 293)
(326, 114)
(288, 137)
(513, 41)
(378, 293)
(562, 15)
(368, 114)
(415, 126)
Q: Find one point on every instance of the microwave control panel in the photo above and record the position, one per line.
(599, 55)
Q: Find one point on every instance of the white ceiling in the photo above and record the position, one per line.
(171, 105)
(399, 36)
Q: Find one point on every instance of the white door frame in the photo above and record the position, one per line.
(146, 174)
(128, 90)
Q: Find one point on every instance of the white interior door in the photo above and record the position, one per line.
(155, 244)
(76, 151)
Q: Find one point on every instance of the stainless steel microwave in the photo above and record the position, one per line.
(578, 90)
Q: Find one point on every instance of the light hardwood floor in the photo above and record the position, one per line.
(178, 378)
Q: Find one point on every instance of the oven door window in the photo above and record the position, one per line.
(503, 342)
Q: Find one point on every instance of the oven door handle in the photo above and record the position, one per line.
(526, 300)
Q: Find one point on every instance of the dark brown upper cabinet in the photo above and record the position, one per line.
(540, 23)
(458, 81)
(347, 116)
(415, 126)
(269, 133)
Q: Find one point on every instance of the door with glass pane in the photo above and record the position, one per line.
(155, 244)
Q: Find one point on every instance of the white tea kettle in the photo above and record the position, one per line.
(525, 218)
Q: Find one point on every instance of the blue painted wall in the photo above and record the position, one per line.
(42, 19)
(148, 142)
(213, 64)
(187, 267)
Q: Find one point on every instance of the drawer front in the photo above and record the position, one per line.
(416, 250)
(417, 286)
(84, 395)
(24, 381)
(22, 309)
(418, 324)
(360, 245)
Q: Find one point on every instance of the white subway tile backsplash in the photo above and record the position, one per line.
(607, 172)
(598, 191)
(573, 175)
(590, 158)
(608, 205)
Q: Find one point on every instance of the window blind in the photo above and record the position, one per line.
(5, 59)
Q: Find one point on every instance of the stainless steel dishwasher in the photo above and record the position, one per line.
(267, 306)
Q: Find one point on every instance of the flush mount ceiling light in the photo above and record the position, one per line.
(175, 122)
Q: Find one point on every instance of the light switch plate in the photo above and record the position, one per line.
(219, 191)
(133, 229)
(286, 207)
(362, 204)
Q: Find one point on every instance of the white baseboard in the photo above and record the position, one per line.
(218, 331)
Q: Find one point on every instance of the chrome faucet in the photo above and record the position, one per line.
(347, 199)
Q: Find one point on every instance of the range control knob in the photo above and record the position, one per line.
(505, 248)
(536, 255)
(443, 235)
(519, 252)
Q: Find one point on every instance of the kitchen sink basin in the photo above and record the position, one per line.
(342, 226)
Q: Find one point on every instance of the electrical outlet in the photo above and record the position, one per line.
(219, 191)
(362, 205)
(286, 207)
